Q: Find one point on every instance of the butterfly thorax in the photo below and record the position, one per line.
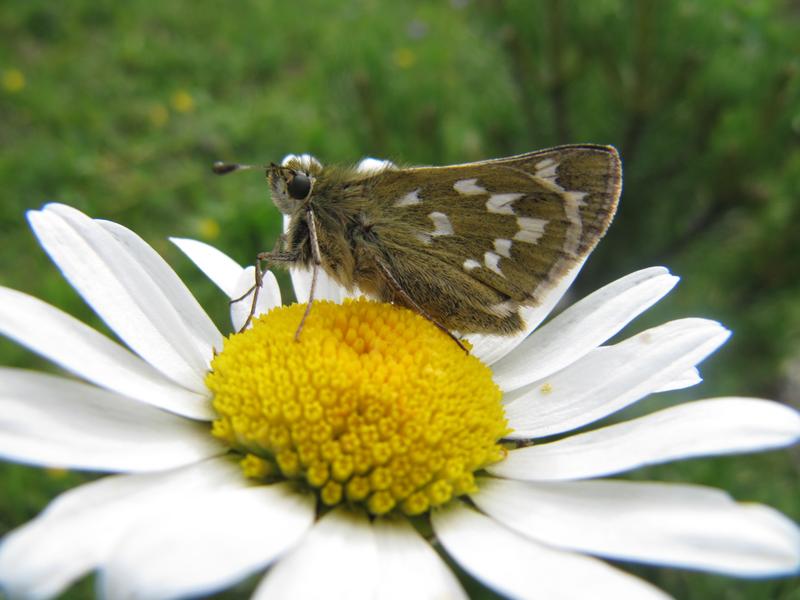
(345, 220)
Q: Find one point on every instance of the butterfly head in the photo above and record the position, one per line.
(292, 181)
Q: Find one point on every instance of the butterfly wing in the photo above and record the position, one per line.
(489, 237)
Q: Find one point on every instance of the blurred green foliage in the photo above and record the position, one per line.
(120, 108)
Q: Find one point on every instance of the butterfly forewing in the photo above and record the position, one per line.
(473, 242)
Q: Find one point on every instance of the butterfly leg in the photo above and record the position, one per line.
(398, 290)
(254, 289)
(276, 256)
(317, 261)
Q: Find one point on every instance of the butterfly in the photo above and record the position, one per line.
(467, 246)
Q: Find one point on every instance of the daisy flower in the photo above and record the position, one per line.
(346, 465)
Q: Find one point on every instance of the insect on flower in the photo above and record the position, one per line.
(464, 245)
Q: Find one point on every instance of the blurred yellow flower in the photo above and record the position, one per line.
(13, 80)
(56, 472)
(208, 228)
(182, 101)
(404, 58)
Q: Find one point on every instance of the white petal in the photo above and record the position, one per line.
(341, 551)
(48, 420)
(374, 165)
(122, 293)
(582, 327)
(409, 567)
(680, 525)
(78, 348)
(491, 348)
(327, 288)
(79, 529)
(520, 568)
(269, 296)
(218, 266)
(681, 381)
(165, 279)
(611, 377)
(197, 546)
(706, 427)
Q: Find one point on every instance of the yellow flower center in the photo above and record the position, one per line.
(373, 405)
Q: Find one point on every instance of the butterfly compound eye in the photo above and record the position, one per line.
(299, 186)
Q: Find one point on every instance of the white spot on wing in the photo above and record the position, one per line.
(492, 262)
(468, 187)
(530, 230)
(441, 223)
(410, 199)
(470, 264)
(501, 203)
(425, 238)
(575, 197)
(544, 164)
(572, 208)
(546, 169)
(545, 173)
(503, 247)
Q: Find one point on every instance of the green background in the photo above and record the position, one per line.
(119, 108)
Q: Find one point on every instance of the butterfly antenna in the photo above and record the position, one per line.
(223, 168)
